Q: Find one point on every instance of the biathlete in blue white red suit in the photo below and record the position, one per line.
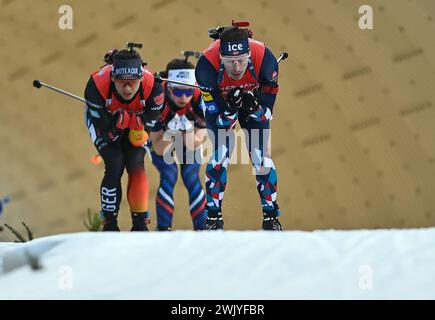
(183, 115)
(239, 80)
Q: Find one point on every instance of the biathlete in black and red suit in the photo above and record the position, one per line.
(132, 103)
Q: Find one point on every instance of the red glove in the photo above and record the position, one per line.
(136, 123)
(123, 120)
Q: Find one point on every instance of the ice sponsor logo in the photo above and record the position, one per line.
(235, 47)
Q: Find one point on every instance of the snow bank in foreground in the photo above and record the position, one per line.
(391, 264)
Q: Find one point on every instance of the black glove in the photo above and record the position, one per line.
(119, 123)
(234, 100)
(114, 134)
(107, 137)
(148, 121)
(250, 102)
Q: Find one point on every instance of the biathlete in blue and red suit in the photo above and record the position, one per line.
(133, 101)
(239, 80)
(182, 115)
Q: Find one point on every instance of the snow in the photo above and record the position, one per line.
(359, 264)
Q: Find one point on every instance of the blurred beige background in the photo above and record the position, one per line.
(353, 129)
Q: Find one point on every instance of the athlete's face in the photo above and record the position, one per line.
(127, 88)
(235, 66)
(181, 95)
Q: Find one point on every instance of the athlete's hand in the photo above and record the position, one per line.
(250, 102)
(136, 123)
(122, 119)
(179, 123)
(234, 100)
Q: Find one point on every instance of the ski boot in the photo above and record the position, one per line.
(164, 228)
(139, 221)
(270, 221)
(110, 221)
(214, 220)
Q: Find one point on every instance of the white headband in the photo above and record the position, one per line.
(183, 75)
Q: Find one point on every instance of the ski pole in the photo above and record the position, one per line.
(38, 84)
